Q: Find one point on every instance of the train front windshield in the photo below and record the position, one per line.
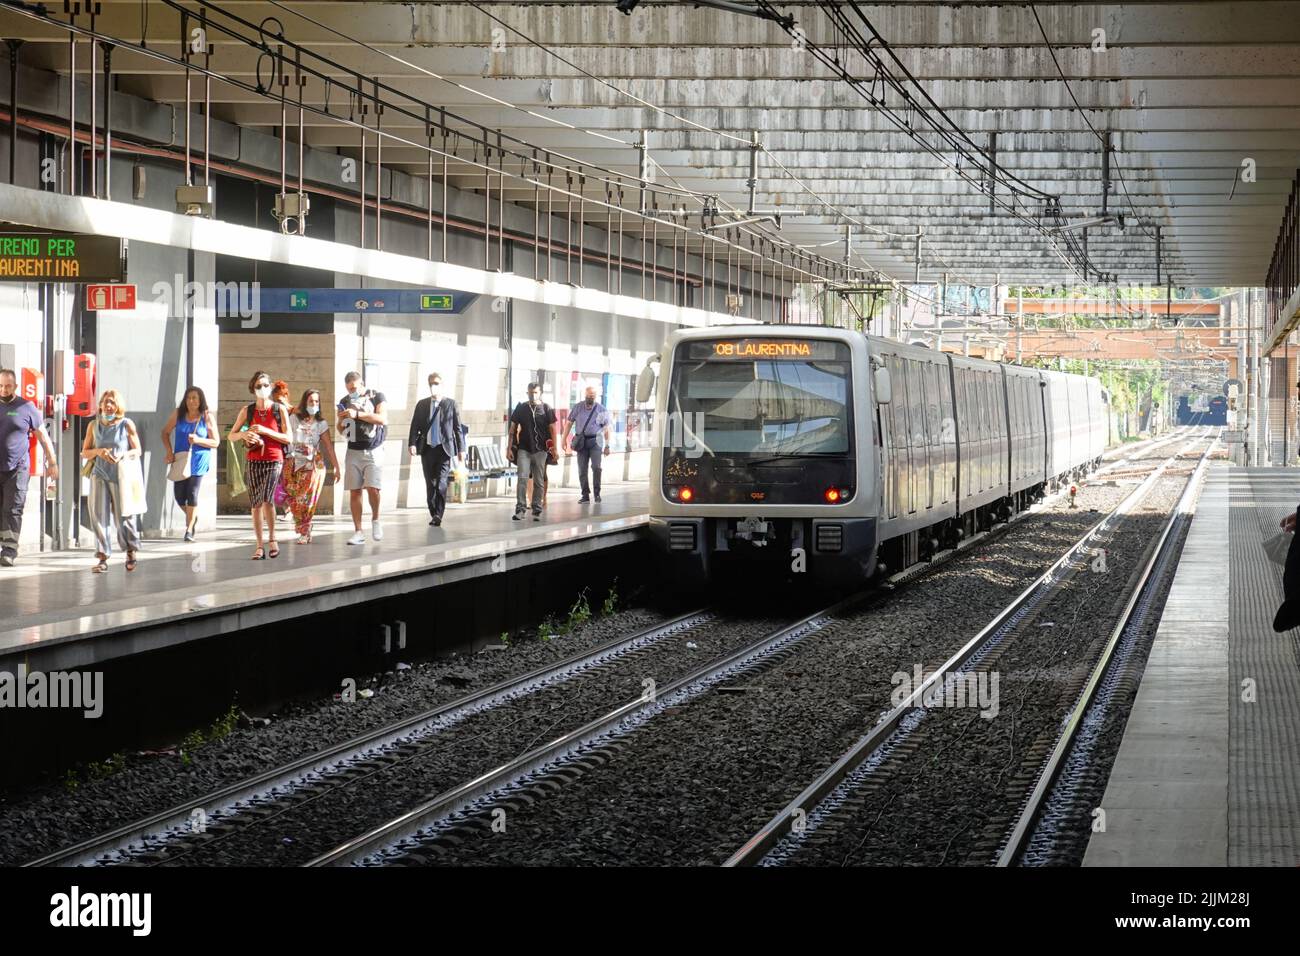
(761, 397)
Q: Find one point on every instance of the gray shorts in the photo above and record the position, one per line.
(363, 469)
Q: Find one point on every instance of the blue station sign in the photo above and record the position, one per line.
(329, 301)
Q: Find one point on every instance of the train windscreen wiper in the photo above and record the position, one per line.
(786, 455)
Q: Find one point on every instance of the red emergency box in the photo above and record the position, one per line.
(32, 386)
(82, 400)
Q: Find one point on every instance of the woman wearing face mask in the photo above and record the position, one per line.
(304, 472)
(264, 428)
(111, 439)
(280, 501)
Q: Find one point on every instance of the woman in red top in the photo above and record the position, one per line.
(264, 430)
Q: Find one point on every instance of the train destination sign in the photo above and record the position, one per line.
(751, 350)
(59, 257)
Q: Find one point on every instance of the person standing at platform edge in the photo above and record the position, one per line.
(19, 419)
(263, 427)
(111, 440)
(363, 419)
(589, 425)
(190, 431)
(436, 437)
(304, 473)
(532, 436)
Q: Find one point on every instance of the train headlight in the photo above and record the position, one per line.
(685, 494)
(833, 496)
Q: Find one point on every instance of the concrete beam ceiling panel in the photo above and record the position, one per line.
(1188, 90)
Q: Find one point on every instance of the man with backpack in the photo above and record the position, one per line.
(532, 442)
(363, 419)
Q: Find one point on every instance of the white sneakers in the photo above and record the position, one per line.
(376, 532)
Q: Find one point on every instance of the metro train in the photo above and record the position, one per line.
(1213, 412)
(842, 455)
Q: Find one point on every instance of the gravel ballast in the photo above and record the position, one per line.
(691, 786)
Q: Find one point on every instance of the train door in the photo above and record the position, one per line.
(942, 433)
(952, 432)
(929, 403)
(1011, 419)
(900, 439)
(972, 440)
(916, 417)
(1001, 431)
(981, 416)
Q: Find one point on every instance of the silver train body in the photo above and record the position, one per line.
(841, 455)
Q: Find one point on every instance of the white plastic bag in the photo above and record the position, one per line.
(1277, 547)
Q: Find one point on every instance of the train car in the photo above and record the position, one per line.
(842, 455)
(1218, 413)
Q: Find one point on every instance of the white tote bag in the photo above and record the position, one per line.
(130, 486)
(179, 469)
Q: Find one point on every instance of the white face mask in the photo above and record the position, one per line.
(435, 391)
(313, 409)
(263, 392)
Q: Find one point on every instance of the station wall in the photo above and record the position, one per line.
(486, 355)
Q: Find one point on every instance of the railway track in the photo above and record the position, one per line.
(190, 832)
(833, 818)
(435, 831)
(339, 762)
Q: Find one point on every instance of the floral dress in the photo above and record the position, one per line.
(304, 474)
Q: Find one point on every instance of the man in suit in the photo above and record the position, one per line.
(436, 437)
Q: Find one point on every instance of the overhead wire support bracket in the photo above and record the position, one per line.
(752, 182)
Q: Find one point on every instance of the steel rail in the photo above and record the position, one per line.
(457, 799)
(332, 758)
(1048, 774)
(644, 707)
(786, 821)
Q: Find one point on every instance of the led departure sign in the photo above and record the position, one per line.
(764, 350)
(59, 257)
(752, 349)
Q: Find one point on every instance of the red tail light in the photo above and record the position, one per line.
(686, 494)
(832, 496)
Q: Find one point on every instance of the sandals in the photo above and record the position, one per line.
(274, 552)
(102, 566)
(130, 561)
(259, 555)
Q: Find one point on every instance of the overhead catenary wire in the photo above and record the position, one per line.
(1083, 113)
(698, 196)
(948, 130)
(703, 198)
(835, 210)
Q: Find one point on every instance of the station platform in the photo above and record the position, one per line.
(1208, 773)
(59, 615)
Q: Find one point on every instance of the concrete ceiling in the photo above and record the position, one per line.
(1189, 89)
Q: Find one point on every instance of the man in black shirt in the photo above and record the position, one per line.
(532, 439)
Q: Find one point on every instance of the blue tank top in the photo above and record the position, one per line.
(199, 456)
(116, 437)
